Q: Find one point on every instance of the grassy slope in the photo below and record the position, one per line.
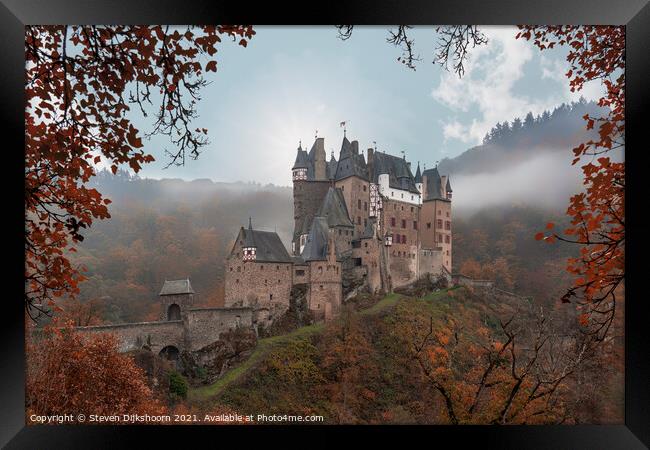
(264, 346)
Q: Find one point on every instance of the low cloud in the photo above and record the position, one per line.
(547, 181)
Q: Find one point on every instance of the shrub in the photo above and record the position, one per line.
(177, 385)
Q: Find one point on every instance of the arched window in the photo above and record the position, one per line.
(174, 312)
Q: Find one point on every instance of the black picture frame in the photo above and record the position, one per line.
(634, 14)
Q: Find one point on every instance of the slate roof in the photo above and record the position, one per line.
(434, 185)
(399, 173)
(331, 167)
(369, 231)
(350, 163)
(316, 245)
(334, 209)
(269, 247)
(302, 159)
(418, 175)
(176, 287)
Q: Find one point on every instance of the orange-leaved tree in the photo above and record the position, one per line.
(69, 373)
(598, 213)
(80, 84)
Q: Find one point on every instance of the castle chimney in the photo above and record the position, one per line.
(355, 147)
(370, 155)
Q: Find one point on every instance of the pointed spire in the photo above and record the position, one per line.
(418, 174)
(250, 223)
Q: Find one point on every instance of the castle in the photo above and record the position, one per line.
(369, 223)
(358, 224)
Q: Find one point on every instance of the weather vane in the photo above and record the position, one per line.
(342, 124)
(316, 136)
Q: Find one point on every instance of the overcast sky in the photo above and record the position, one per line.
(291, 81)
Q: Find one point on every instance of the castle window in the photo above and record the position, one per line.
(270, 296)
(300, 273)
(392, 221)
(358, 220)
(411, 199)
(364, 188)
(231, 269)
(439, 224)
(278, 281)
(447, 225)
(261, 266)
(359, 203)
(396, 238)
(237, 281)
(403, 239)
(447, 213)
(266, 282)
(402, 207)
(321, 288)
(365, 206)
(277, 267)
(447, 252)
(440, 238)
(415, 224)
(447, 239)
(365, 244)
(340, 232)
(411, 206)
(403, 223)
(429, 225)
(392, 194)
(320, 270)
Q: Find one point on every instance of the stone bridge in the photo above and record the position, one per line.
(196, 328)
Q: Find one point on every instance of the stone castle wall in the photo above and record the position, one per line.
(203, 326)
(325, 290)
(132, 336)
(256, 283)
(356, 193)
(198, 328)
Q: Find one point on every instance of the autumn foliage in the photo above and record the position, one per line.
(69, 373)
(598, 213)
(80, 84)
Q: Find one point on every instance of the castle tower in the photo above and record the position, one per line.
(436, 214)
(176, 296)
(249, 250)
(310, 184)
(418, 180)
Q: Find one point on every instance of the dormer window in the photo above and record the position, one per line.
(250, 253)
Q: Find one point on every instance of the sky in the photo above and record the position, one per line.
(291, 83)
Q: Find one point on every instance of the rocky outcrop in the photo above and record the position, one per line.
(296, 316)
(423, 286)
(209, 363)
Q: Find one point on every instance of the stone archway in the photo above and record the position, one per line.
(170, 353)
(174, 312)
